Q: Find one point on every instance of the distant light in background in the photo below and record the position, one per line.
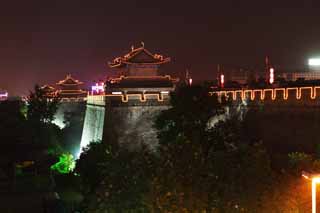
(190, 81)
(3, 96)
(314, 62)
(271, 75)
(222, 80)
(98, 88)
(116, 93)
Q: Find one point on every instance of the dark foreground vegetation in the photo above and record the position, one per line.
(202, 163)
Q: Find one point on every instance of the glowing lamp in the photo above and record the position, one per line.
(315, 178)
(190, 81)
(271, 75)
(314, 62)
(98, 88)
(116, 93)
(4, 95)
(222, 80)
(164, 92)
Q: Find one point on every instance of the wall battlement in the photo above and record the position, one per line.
(122, 117)
(290, 94)
(100, 100)
(285, 119)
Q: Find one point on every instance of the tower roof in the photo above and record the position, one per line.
(143, 82)
(48, 88)
(139, 56)
(69, 81)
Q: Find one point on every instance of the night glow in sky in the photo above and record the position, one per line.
(42, 41)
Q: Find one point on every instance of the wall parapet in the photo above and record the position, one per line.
(273, 94)
(125, 98)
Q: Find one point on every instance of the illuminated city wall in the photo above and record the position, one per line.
(94, 121)
(292, 94)
(120, 118)
(74, 108)
(286, 119)
(132, 126)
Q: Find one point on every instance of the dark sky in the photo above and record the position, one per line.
(42, 41)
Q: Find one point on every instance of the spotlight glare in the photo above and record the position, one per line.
(314, 62)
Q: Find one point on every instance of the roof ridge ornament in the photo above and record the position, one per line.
(130, 58)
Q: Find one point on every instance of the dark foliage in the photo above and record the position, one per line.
(115, 179)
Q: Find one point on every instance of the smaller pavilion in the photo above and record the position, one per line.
(49, 91)
(69, 89)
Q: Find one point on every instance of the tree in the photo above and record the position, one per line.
(115, 179)
(41, 108)
(206, 162)
(65, 165)
(192, 108)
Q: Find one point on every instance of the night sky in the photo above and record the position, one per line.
(42, 41)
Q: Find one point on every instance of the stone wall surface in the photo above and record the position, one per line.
(93, 125)
(129, 123)
(72, 108)
(286, 119)
(132, 126)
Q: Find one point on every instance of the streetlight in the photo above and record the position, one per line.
(315, 178)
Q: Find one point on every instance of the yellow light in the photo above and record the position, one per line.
(271, 76)
(315, 180)
(275, 93)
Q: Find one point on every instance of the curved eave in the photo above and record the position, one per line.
(122, 63)
(64, 84)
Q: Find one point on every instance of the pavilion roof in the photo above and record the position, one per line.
(143, 82)
(69, 80)
(48, 88)
(139, 56)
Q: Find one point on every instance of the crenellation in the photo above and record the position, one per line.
(297, 94)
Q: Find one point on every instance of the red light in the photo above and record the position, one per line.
(222, 80)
